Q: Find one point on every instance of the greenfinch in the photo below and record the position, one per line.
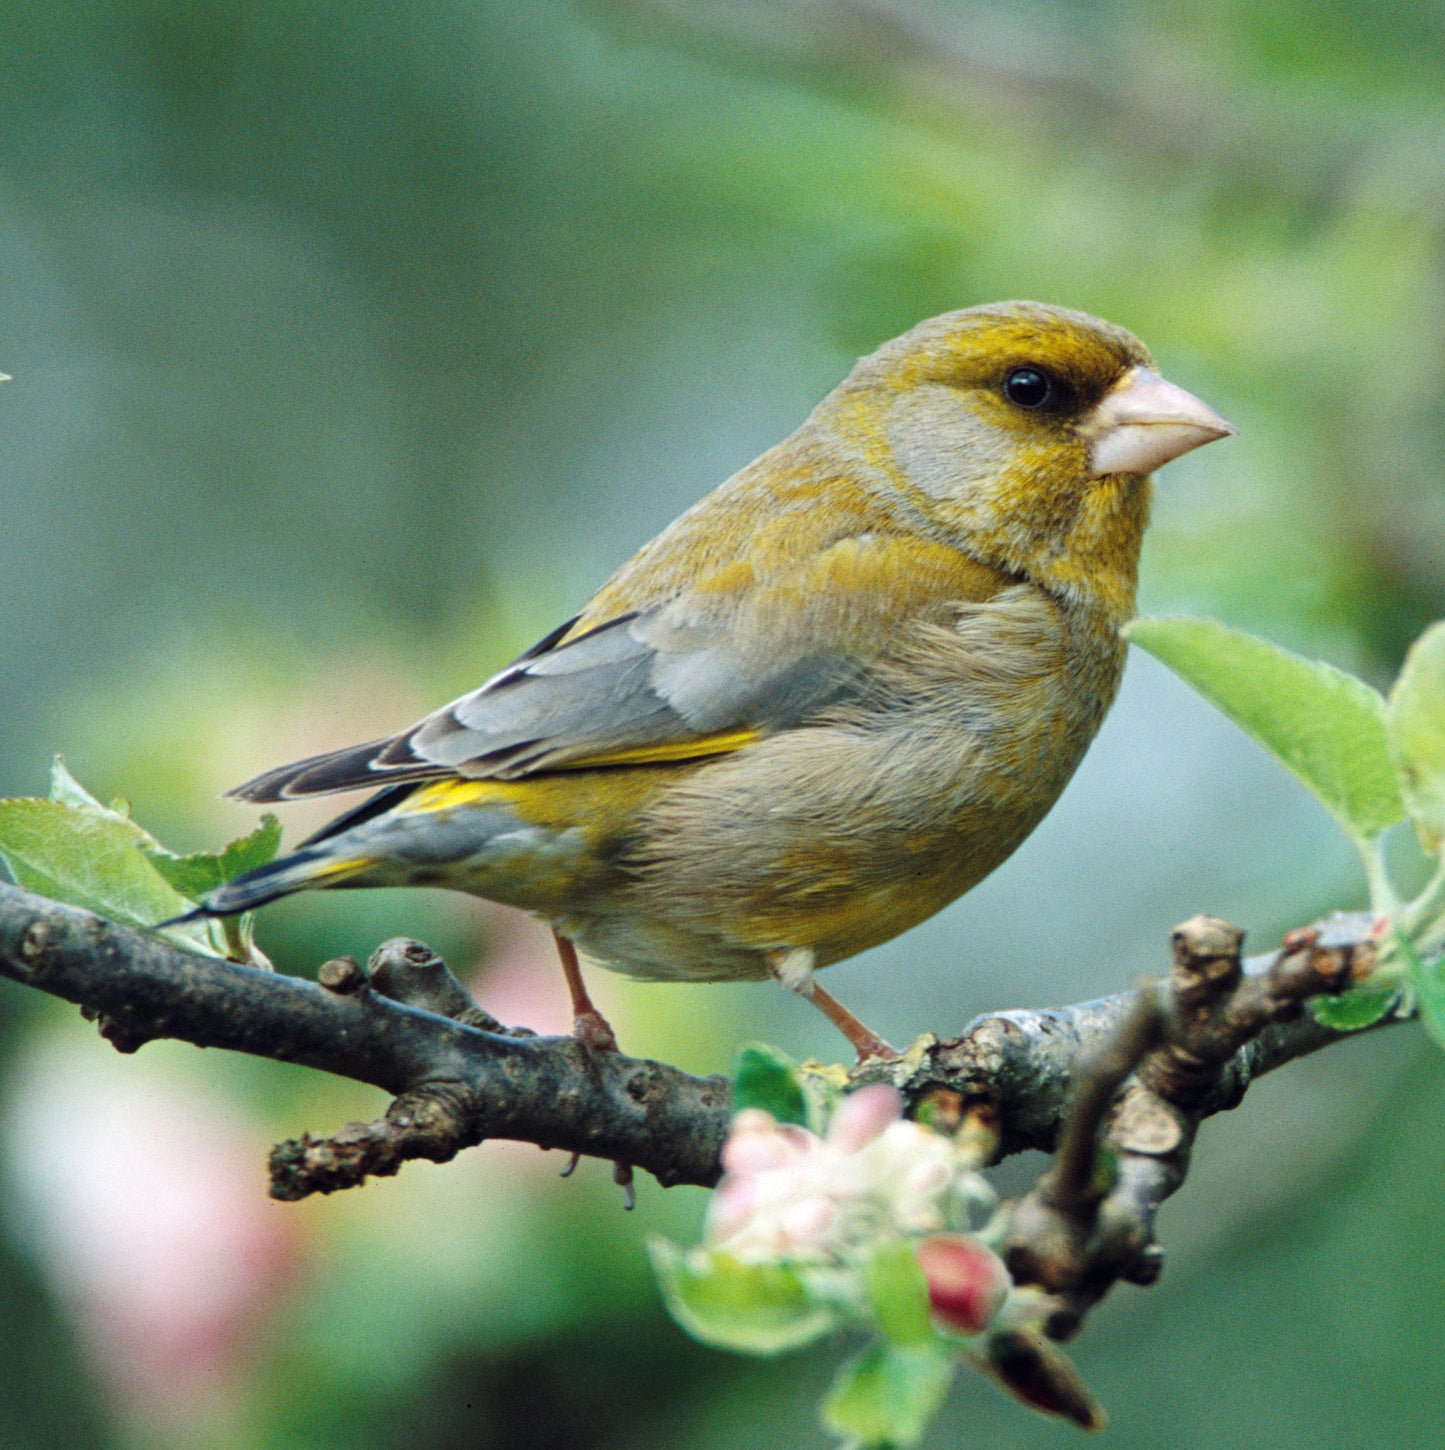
(829, 698)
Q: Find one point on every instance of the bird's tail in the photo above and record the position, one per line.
(305, 868)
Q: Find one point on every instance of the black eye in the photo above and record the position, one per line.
(1028, 387)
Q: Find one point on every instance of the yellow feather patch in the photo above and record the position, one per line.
(336, 870)
(722, 743)
(590, 801)
(446, 795)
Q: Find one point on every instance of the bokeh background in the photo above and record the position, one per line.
(354, 345)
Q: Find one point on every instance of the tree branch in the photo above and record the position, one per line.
(458, 1077)
(1183, 1050)
(455, 1084)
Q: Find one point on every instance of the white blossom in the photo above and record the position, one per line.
(787, 1193)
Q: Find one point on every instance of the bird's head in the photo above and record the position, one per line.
(1027, 432)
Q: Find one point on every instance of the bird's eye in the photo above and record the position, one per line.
(1028, 387)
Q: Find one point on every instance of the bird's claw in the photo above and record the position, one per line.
(622, 1175)
(594, 1032)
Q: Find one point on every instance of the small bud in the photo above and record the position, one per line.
(1041, 1374)
(341, 975)
(757, 1144)
(862, 1116)
(967, 1281)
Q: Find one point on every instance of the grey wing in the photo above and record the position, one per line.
(660, 684)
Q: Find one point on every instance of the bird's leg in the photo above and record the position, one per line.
(589, 1026)
(595, 1033)
(794, 969)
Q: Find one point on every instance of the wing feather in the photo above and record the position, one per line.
(703, 673)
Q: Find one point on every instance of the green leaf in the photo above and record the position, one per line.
(73, 849)
(1429, 984)
(752, 1308)
(898, 1292)
(68, 791)
(194, 875)
(768, 1079)
(1415, 723)
(65, 789)
(1351, 1011)
(889, 1394)
(202, 871)
(92, 857)
(1326, 726)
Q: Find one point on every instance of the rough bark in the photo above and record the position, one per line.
(1134, 1073)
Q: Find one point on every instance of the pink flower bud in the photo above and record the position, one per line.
(862, 1116)
(748, 1153)
(756, 1143)
(803, 1143)
(967, 1281)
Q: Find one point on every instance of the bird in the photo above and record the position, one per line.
(824, 702)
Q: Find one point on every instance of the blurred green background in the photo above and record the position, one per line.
(354, 345)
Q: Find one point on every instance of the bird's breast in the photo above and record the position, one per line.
(843, 832)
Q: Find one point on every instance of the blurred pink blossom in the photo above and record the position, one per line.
(144, 1198)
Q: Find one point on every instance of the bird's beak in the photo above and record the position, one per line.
(1143, 421)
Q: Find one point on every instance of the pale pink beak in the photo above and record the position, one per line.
(1143, 421)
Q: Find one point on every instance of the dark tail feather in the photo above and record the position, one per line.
(354, 768)
(368, 810)
(199, 914)
(274, 880)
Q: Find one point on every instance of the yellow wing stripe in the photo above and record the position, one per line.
(661, 753)
(446, 795)
(338, 870)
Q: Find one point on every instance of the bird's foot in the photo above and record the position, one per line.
(594, 1034)
(866, 1042)
(794, 969)
(594, 1031)
(622, 1177)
